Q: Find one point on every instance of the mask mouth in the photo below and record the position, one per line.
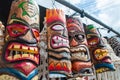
(17, 52)
(80, 52)
(58, 42)
(100, 54)
(93, 41)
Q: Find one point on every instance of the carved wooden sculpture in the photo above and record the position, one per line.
(58, 44)
(115, 44)
(81, 61)
(99, 53)
(21, 55)
(2, 30)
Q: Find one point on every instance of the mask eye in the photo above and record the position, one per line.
(57, 27)
(16, 30)
(79, 37)
(36, 34)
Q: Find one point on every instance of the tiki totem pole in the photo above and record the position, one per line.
(58, 44)
(98, 50)
(80, 57)
(21, 57)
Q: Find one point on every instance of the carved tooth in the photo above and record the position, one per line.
(31, 48)
(10, 47)
(60, 44)
(82, 49)
(59, 38)
(16, 52)
(56, 41)
(64, 41)
(82, 54)
(18, 56)
(36, 49)
(67, 41)
(9, 57)
(54, 37)
(85, 57)
(55, 45)
(25, 55)
(97, 55)
(16, 46)
(25, 47)
(31, 56)
(77, 49)
(35, 59)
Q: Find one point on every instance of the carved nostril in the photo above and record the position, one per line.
(36, 34)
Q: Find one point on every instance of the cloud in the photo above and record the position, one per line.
(109, 13)
(74, 1)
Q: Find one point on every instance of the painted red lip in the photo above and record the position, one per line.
(25, 67)
(16, 52)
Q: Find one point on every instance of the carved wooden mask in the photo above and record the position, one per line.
(115, 44)
(99, 52)
(58, 44)
(81, 63)
(21, 51)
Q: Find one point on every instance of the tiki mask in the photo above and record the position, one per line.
(115, 44)
(21, 51)
(81, 64)
(99, 52)
(58, 44)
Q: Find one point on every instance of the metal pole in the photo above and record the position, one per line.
(67, 4)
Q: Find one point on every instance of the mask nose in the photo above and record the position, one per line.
(28, 37)
(73, 43)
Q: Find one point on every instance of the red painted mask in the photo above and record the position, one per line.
(99, 52)
(81, 64)
(58, 44)
(21, 51)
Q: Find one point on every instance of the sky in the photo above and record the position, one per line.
(107, 11)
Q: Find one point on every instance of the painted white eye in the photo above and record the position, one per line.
(57, 27)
